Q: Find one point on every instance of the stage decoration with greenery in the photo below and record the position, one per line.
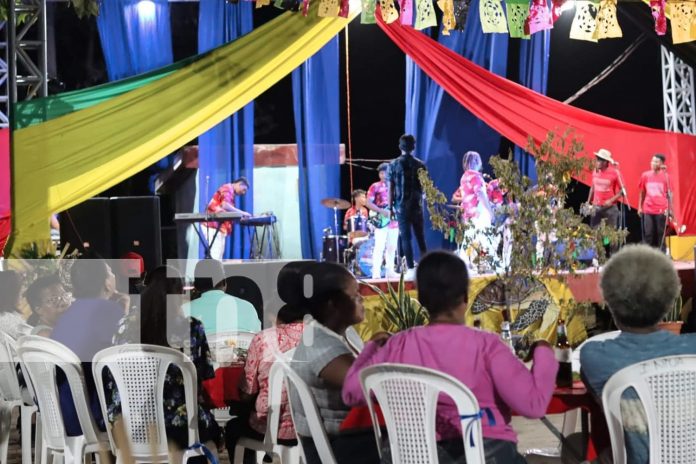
(521, 286)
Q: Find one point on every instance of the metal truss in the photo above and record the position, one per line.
(4, 79)
(678, 94)
(23, 74)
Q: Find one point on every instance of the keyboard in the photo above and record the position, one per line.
(259, 221)
(202, 217)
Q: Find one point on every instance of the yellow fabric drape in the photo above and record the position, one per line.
(64, 161)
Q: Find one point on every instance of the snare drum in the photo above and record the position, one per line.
(330, 253)
(357, 227)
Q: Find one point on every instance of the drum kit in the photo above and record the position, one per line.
(353, 249)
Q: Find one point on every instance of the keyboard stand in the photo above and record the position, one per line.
(259, 242)
(204, 240)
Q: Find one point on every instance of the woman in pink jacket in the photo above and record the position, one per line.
(479, 359)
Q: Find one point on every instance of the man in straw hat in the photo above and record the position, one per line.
(605, 191)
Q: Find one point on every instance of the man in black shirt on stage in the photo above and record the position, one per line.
(407, 197)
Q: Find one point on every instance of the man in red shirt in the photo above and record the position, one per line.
(605, 191)
(356, 217)
(655, 202)
(223, 201)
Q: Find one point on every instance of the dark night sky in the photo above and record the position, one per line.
(632, 93)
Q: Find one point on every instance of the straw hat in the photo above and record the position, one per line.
(605, 155)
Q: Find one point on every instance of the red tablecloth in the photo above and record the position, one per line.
(223, 388)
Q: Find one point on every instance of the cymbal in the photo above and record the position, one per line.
(337, 203)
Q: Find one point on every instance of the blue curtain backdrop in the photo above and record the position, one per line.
(226, 152)
(317, 127)
(444, 129)
(534, 73)
(136, 37)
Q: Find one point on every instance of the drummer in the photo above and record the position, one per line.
(356, 216)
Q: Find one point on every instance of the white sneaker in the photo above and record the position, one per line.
(410, 274)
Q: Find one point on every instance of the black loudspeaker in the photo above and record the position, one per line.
(114, 226)
(87, 226)
(137, 228)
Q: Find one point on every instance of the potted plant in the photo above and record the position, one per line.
(401, 311)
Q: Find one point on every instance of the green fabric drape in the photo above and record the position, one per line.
(36, 111)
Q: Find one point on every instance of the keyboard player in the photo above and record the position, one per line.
(223, 201)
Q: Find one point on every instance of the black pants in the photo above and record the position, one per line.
(495, 452)
(654, 230)
(348, 448)
(411, 218)
(611, 216)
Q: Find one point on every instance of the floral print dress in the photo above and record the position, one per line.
(260, 358)
(175, 417)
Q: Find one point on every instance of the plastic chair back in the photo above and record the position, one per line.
(597, 338)
(309, 406)
(40, 357)
(139, 373)
(354, 340)
(407, 396)
(9, 383)
(666, 387)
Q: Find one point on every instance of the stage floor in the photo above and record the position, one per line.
(584, 285)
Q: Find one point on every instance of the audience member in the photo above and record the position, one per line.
(86, 327)
(639, 284)
(480, 360)
(251, 422)
(48, 300)
(322, 360)
(219, 311)
(161, 322)
(11, 320)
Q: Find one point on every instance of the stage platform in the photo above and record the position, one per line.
(584, 285)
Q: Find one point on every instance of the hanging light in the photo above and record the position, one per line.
(146, 10)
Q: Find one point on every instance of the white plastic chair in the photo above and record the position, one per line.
(666, 387)
(11, 397)
(597, 338)
(40, 357)
(310, 408)
(139, 373)
(354, 340)
(270, 445)
(407, 396)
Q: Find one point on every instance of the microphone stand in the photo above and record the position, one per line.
(622, 211)
(669, 202)
(207, 245)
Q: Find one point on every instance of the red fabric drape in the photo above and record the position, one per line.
(4, 187)
(516, 112)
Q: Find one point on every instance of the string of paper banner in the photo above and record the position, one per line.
(594, 19)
